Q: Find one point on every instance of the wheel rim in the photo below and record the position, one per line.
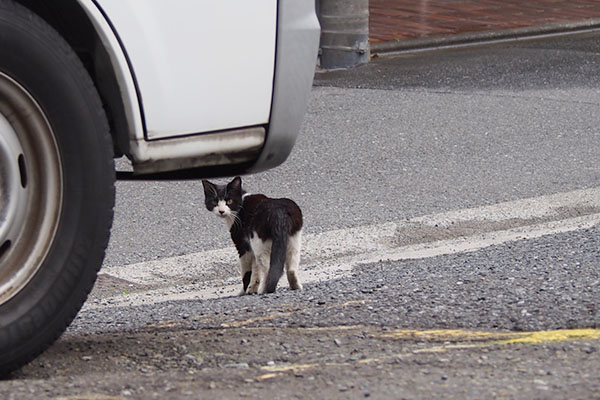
(31, 186)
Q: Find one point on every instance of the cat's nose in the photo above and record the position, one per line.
(222, 212)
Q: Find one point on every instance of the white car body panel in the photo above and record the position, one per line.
(259, 81)
(199, 65)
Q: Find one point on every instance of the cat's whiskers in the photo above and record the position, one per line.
(236, 219)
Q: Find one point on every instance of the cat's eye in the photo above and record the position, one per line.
(229, 202)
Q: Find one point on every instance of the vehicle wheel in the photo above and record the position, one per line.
(56, 185)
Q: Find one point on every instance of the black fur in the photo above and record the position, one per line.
(246, 279)
(280, 226)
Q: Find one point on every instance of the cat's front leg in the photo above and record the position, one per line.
(260, 267)
(263, 269)
(254, 280)
(246, 261)
(253, 288)
(257, 249)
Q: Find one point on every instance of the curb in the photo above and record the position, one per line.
(474, 38)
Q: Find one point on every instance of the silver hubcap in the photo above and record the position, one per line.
(30, 187)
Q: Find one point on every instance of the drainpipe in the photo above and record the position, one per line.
(344, 32)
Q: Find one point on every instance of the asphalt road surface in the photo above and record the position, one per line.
(452, 249)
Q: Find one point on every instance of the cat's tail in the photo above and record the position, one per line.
(281, 228)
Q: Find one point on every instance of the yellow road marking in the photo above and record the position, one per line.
(237, 324)
(560, 335)
(464, 339)
(459, 339)
(295, 368)
(278, 314)
(90, 396)
(267, 376)
(458, 335)
(447, 335)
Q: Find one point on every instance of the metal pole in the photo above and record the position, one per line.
(344, 32)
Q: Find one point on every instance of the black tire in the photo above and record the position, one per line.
(57, 172)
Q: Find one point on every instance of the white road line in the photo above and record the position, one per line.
(483, 240)
(334, 253)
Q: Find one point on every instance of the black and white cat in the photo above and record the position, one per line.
(267, 234)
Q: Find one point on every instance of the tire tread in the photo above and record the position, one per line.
(80, 272)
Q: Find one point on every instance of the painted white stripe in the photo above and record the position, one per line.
(334, 253)
(480, 241)
(544, 207)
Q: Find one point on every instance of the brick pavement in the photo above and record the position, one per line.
(409, 19)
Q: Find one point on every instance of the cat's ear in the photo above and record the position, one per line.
(209, 188)
(235, 184)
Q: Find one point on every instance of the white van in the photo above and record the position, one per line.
(195, 87)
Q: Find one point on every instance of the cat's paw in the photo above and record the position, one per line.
(242, 292)
(296, 286)
(252, 289)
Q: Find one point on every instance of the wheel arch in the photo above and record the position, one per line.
(82, 25)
